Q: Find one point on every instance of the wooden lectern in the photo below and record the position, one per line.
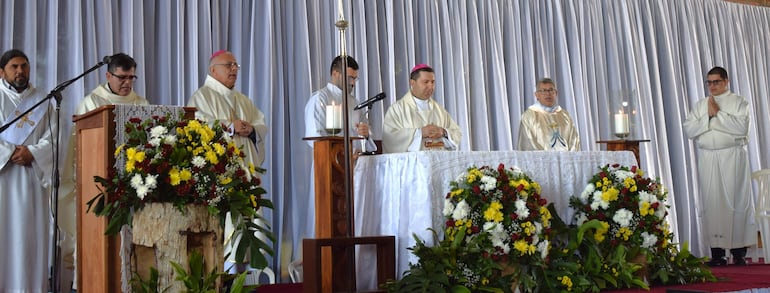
(98, 255)
(329, 258)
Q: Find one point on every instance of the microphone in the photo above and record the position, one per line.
(106, 59)
(370, 101)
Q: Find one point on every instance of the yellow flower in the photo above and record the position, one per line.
(133, 155)
(253, 200)
(174, 176)
(456, 192)
(528, 228)
(225, 180)
(484, 281)
(219, 149)
(566, 281)
(493, 213)
(600, 233)
(624, 232)
(545, 216)
(523, 247)
(185, 175)
(120, 148)
(474, 174)
(212, 157)
(610, 194)
(645, 209)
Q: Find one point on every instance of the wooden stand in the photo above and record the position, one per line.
(625, 145)
(331, 214)
(328, 259)
(98, 255)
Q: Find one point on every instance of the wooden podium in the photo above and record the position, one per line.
(328, 260)
(98, 255)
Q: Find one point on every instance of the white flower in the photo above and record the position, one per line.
(155, 141)
(598, 201)
(587, 192)
(581, 218)
(488, 183)
(151, 181)
(645, 196)
(542, 247)
(521, 208)
(136, 181)
(461, 211)
(621, 175)
(623, 217)
(158, 131)
(648, 240)
(448, 207)
(142, 191)
(198, 161)
(169, 139)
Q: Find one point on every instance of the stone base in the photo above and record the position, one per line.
(162, 234)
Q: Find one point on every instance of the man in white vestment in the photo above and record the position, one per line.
(26, 168)
(217, 100)
(119, 89)
(316, 120)
(719, 125)
(417, 122)
(545, 126)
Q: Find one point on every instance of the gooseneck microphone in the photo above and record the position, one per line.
(370, 101)
(106, 59)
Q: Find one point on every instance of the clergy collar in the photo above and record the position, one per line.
(14, 88)
(422, 105)
(543, 108)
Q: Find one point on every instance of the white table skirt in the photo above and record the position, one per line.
(403, 194)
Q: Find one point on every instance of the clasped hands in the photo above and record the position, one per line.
(713, 107)
(433, 131)
(22, 156)
(242, 127)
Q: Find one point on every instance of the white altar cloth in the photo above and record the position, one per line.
(403, 194)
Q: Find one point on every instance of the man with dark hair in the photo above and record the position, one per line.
(545, 125)
(118, 89)
(416, 121)
(316, 118)
(26, 170)
(719, 125)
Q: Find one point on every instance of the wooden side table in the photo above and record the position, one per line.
(624, 145)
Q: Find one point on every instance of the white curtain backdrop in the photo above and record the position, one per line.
(487, 55)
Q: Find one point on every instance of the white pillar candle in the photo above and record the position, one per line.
(333, 116)
(621, 123)
(341, 10)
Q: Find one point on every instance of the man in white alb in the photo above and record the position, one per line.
(719, 125)
(119, 89)
(416, 121)
(26, 170)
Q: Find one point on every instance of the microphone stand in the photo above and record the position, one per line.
(56, 94)
(342, 24)
(364, 152)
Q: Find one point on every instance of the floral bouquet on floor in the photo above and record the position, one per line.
(499, 222)
(185, 162)
(630, 207)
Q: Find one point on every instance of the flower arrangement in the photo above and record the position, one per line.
(499, 219)
(630, 207)
(184, 162)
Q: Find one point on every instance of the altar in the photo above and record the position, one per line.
(403, 194)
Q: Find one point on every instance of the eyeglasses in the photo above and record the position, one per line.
(714, 82)
(124, 77)
(547, 91)
(230, 65)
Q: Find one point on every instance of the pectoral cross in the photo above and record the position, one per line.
(24, 119)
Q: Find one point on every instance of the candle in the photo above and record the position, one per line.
(341, 10)
(621, 123)
(333, 116)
